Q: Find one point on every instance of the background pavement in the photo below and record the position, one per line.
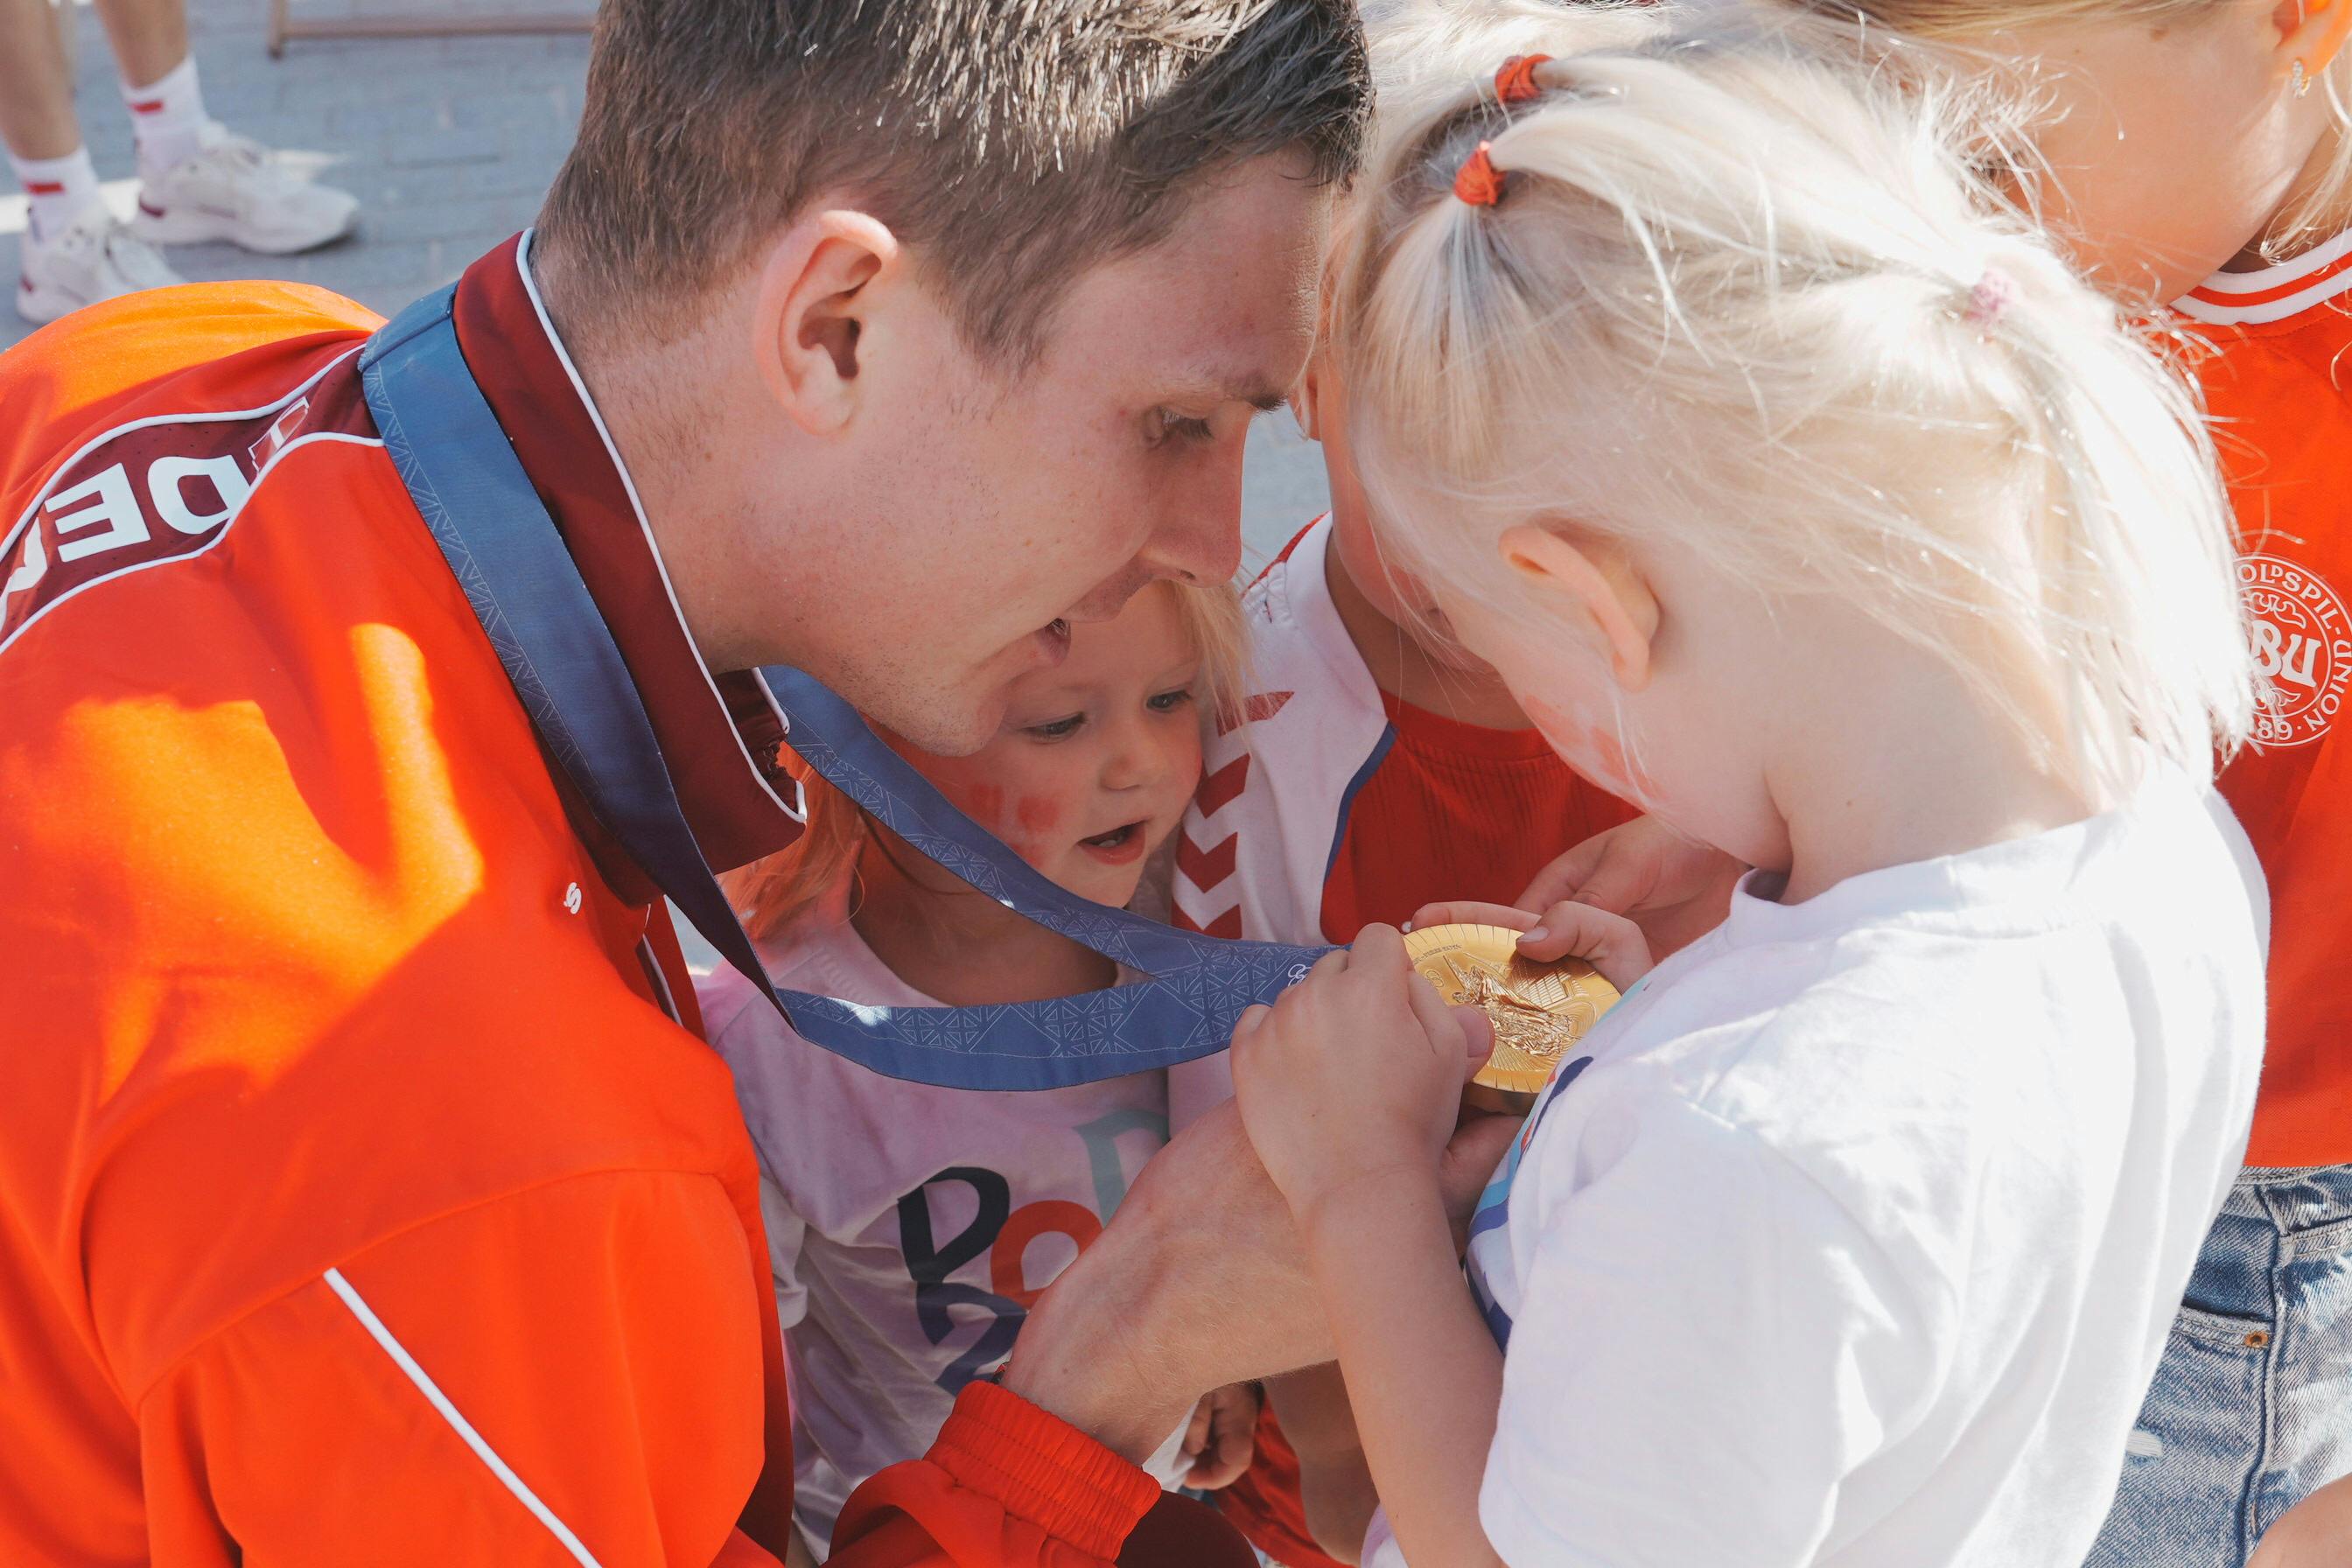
(449, 144)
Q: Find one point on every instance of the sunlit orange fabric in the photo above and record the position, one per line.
(2281, 391)
(310, 988)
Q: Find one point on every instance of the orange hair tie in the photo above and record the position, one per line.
(1516, 82)
(1479, 181)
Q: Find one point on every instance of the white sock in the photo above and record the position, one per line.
(167, 118)
(59, 189)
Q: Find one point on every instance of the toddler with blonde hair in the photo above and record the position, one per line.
(2196, 152)
(910, 1227)
(1832, 520)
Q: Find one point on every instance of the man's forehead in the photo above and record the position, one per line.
(1193, 354)
(1217, 340)
(1224, 305)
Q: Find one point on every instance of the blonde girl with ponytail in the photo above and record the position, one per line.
(1839, 524)
(2198, 152)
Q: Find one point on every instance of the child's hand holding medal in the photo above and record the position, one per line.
(1363, 1068)
(1355, 1073)
(1542, 980)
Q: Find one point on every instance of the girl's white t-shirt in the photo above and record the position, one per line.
(910, 1227)
(1856, 1238)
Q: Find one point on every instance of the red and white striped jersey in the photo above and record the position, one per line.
(1337, 804)
(1264, 827)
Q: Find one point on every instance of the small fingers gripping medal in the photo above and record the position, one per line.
(1538, 1010)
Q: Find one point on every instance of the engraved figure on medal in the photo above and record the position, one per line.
(1538, 1010)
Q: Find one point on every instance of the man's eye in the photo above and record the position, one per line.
(1056, 729)
(1169, 425)
(1169, 701)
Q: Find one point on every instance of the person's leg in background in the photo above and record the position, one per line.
(74, 250)
(197, 181)
(2251, 1408)
(37, 114)
(150, 39)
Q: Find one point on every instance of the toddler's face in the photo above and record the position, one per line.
(1565, 691)
(2166, 149)
(1651, 677)
(1096, 758)
(1397, 595)
(1401, 597)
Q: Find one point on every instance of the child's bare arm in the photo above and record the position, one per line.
(1335, 1488)
(2315, 1533)
(1350, 1089)
(1423, 1375)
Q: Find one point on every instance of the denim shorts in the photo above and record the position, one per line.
(2251, 1407)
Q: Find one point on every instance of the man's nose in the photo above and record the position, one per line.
(1198, 529)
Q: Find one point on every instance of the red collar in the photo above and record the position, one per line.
(720, 736)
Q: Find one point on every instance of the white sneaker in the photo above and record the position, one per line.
(236, 190)
(91, 258)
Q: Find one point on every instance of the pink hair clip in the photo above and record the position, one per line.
(1995, 292)
(1479, 183)
(1516, 82)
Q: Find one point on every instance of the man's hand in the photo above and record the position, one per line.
(1222, 1437)
(1676, 889)
(2315, 1533)
(1198, 1281)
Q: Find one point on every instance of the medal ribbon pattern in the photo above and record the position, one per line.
(506, 554)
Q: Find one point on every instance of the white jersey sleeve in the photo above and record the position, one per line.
(1257, 841)
(1256, 844)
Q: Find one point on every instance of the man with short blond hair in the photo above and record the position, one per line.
(361, 1197)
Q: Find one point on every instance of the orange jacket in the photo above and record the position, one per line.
(360, 1202)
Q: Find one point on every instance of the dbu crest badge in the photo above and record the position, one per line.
(2302, 648)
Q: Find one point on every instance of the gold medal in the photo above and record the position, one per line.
(1538, 1010)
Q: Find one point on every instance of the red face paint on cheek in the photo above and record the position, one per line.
(1013, 820)
(1609, 755)
(1018, 818)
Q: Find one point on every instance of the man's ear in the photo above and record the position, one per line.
(816, 292)
(1307, 397)
(2311, 31)
(1598, 588)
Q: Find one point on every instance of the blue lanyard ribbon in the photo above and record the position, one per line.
(506, 554)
